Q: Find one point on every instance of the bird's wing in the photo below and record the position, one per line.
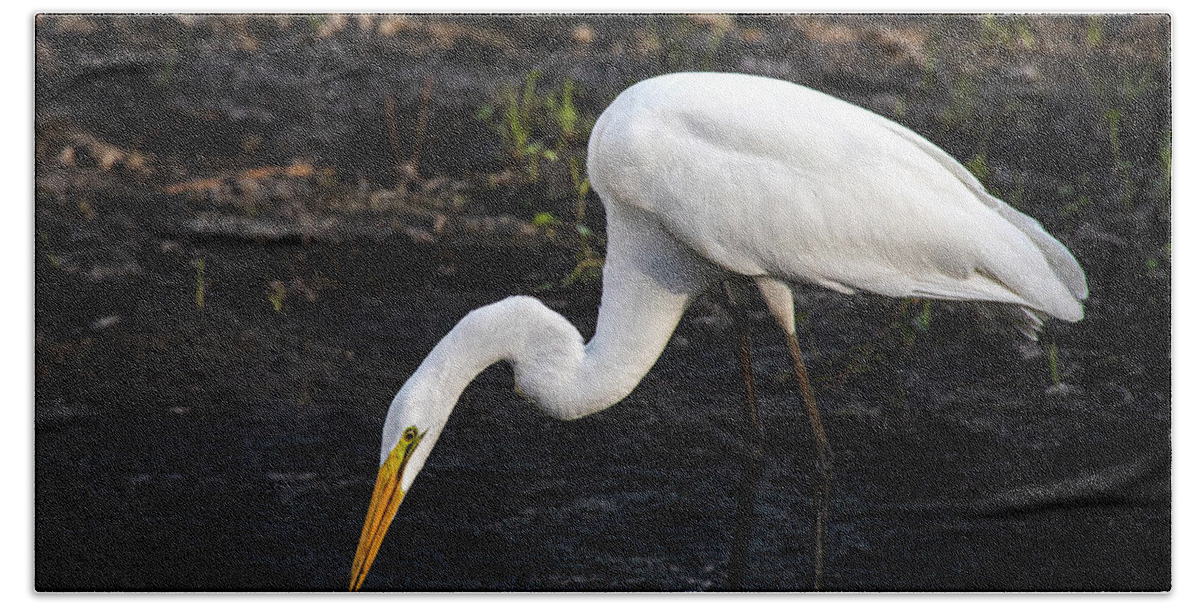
(1059, 257)
(767, 178)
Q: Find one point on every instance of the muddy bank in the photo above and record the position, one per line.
(246, 241)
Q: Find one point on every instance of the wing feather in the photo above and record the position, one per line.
(763, 177)
(1064, 265)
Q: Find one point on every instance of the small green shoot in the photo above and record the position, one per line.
(1112, 117)
(978, 166)
(991, 31)
(86, 210)
(546, 221)
(715, 37)
(541, 128)
(923, 319)
(51, 257)
(588, 262)
(1016, 198)
(587, 269)
(1095, 33)
(1024, 34)
(803, 325)
(1077, 199)
(199, 264)
(1159, 258)
(516, 129)
(964, 104)
(1164, 155)
(276, 294)
(167, 71)
(562, 109)
(536, 128)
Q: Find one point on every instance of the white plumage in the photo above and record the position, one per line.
(705, 174)
(764, 177)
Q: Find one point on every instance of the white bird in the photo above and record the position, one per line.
(708, 175)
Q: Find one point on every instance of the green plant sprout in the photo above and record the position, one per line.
(978, 167)
(546, 221)
(199, 264)
(995, 31)
(963, 106)
(923, 319)
(1095, 33)
(900, 332)
(1159, 258)
(588, 263)
(167, 71)
(51, 257)
(276, 294)
(1016, 198)
(991, 31)
(518, 125)
(1024, 34)
(803, 323)
(538, 128)
(515, 125)
(1078, 201)
(715, 37)
(548, 128)
(562, 109)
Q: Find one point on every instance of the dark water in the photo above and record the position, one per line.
(235, 447)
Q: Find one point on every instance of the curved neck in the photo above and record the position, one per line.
(552, 366)
(643, 298)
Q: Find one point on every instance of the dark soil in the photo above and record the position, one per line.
(251, 229)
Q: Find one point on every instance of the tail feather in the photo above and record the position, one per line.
(1026, 321)
(1064, 265)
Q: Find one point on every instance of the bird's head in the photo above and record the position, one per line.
(408, 437)
(420, 410)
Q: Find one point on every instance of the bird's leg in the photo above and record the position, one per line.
(753, 463)
(778, 297)
(824, 456)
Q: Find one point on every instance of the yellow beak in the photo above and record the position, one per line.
(385, 500)
(384, 503)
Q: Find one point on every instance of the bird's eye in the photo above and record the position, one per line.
(410, 433)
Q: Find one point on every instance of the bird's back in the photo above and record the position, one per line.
(764, 177)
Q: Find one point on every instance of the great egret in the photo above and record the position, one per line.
(708, 175)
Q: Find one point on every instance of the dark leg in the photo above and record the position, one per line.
(824, 456)
(780, 301)
(753, 464)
